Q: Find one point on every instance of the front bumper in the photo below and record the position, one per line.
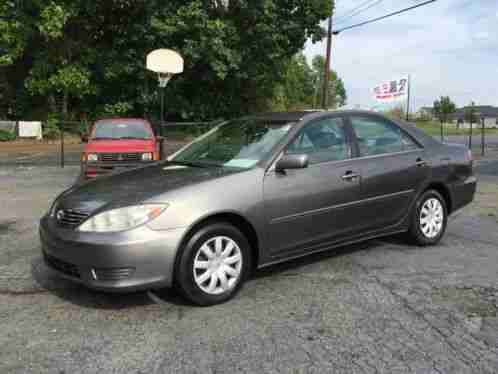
(137, 259)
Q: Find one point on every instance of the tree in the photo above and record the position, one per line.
(443, 109)
(471, 115)
(296, 90)
(300, 86)
(88, 56)
(337, 93)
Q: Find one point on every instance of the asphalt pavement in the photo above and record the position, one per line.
(377, 307)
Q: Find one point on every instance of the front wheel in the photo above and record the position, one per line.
(213, 264)
(429, 219)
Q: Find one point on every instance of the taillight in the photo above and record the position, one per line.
(470, 157)
(83, 157)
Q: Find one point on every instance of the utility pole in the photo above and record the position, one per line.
(326, 76)
(483, 142)
(408, 99)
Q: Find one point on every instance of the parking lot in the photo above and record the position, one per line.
(378, 307)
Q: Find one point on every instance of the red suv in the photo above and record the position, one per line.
(118, 143)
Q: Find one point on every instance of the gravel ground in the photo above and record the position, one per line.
(377, 307)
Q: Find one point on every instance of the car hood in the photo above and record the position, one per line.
(119, 146)
(136, 186)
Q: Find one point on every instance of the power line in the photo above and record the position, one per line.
(359, 11)
(347, 13)
(383, 17)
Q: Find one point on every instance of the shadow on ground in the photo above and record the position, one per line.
(82, 296)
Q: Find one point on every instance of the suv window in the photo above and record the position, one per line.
(323, 140)
(377, 136)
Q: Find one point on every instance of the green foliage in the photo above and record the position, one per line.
(73, 79)
(120, 109)
(444, 108)
(51, 127)
(80, 56)
(470, 113)
(52, 21)
(302, 86)
(336, 96)
(12, 33)
(6, 136)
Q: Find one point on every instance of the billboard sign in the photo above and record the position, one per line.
(393, 90)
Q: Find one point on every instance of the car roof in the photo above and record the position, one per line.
(281, 116)
(295, 116)
(307, 115)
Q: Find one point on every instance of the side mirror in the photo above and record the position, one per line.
(84, 138)
(292, 162)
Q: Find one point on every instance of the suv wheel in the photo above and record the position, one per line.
(213, 264)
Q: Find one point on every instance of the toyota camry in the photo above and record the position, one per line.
(253, 192)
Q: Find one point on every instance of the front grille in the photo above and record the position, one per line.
(69, 218)
(113, 274)
(62, 266)
(120, 157)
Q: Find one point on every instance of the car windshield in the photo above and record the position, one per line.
(238, 144)
(121, 130)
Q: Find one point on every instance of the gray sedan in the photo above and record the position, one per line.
(253, 192)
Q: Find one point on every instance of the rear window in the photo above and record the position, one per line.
(121, 130)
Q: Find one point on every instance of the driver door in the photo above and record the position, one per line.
(306, 207)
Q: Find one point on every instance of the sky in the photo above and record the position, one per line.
(449, 48)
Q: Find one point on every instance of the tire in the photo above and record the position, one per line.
(202, 275)
(429, 219)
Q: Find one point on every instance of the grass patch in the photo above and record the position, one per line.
(434, 128)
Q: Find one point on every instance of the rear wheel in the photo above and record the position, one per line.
(213, 264)
(429, 219)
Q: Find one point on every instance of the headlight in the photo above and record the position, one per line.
(147, 156)
(122, 218)
(92, 157)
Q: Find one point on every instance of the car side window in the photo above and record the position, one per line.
(323, 140)
(376, 136)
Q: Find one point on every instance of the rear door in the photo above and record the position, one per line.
(306, 207)
(393, 168)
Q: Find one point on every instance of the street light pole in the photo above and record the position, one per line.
(162, 106)
(326, 76)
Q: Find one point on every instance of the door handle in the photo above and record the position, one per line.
(420, 162)
(350, 176)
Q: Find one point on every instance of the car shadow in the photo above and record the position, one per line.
(313, 258)
(80, 295)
